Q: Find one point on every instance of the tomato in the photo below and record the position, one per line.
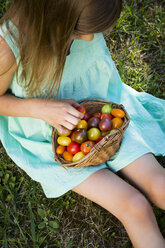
(106, 109)
(97, 114)
(73, 148)
(118, 113)
(60, 149)
(93, 133)
(100, 138)
(78, 156)
(82, 124)
(116, 122)
(81, 109)
(87, 146)
(64, 141)
(67, 156)
(86, 117)
(106, 115)
(80, 135)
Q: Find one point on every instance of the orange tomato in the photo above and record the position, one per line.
(82, 124)
(67, 156)
(116, 122)
(87, 146)
(118, 113)
(60, 149)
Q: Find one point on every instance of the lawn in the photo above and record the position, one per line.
(27, 217)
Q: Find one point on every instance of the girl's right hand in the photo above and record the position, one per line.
(59, 113)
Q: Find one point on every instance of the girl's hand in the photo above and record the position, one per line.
(59, 113)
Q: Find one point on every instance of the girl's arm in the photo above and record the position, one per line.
(10, 105)
(57, 113)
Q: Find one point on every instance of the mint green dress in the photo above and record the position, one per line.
(89, 73)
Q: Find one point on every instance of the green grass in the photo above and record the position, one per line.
(27, 217)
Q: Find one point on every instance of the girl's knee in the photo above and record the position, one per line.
(157, 192)
(137, 206)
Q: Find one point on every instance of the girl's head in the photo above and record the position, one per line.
(46, 30)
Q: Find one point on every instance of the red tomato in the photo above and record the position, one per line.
(87, 146)
(81, 109)
(100, 138)
(106, 115)
(73, 148)
(97, 114)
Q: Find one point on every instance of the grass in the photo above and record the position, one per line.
(27, 217)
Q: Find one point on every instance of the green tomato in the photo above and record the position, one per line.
(78, 156)
(64, 141)
(94, 133)
(107, 108)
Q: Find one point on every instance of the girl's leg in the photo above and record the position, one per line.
(148, 176)
(126, 203)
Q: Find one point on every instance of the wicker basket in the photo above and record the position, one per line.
(103, 150)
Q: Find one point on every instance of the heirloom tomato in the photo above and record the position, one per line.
(73, 148)
(105, 124)
(94, 133)
(116, 122)
(93, 122)
(80, 135)
(106, 109)
(64, 141)
(78, 156)
(87, 146)
(60, 149)
(82, 124)
(106, 115)
(67, 156)
(118, 113)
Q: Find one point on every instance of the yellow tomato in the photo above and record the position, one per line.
(118, 113)
(78, 156)
(82, 124)
(64, 141)
(116, 122)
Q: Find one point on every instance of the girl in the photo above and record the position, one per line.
(52, 54)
